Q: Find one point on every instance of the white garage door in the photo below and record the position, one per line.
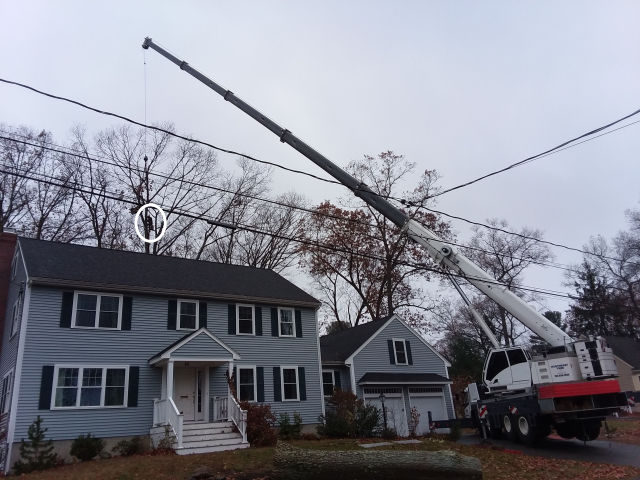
(427, 400)
(394, 405)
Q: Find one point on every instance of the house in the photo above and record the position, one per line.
(387, 361)
(626, 352)
(120, 344)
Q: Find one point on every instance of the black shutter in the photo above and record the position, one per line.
(277, 388)
(127, 303)
(302, 383)
(203, 315)
(298, 323)
(258, 321)
(392, 358)
(336, 376)
(260, 374)
(66, 310)
(172, 314)
(409, 357)
(134, 379)
(231, 319)
(46, 383)
(274, 322)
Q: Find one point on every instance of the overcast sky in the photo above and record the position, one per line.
(462, 87)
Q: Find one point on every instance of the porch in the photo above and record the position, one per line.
(195, 405)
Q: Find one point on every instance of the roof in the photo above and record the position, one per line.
(402, 378)
(186, 339)
(627, 349)
(338, 346)
(66, 264)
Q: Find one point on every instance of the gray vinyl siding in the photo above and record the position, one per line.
(375, 358)
(9, 347)
(201, 346)
(343, 373)
(49, 344)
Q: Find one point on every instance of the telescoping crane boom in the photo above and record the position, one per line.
(439, 250)
(570, 386)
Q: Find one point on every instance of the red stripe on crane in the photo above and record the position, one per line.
(575, 389)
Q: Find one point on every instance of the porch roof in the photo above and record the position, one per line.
(200, 345)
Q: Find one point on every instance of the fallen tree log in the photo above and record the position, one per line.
(297, 464)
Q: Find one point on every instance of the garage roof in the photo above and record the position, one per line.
(338, 346)
(627, 349)
(402, 378)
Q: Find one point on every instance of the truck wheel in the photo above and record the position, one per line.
(509, 428)
(543, 431)
(526, 431)
(566, 430)
(588, 431)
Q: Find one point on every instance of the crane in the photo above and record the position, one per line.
(558, 373)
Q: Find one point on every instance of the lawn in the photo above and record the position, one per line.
(623, 429)
(256, 463)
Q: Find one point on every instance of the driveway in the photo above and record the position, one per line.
(601, 451)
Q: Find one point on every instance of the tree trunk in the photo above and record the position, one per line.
(295, 463)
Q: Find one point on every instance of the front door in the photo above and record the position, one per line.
(189, 388)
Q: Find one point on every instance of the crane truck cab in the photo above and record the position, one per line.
(507, 369)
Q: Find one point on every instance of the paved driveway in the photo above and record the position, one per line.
(601, 451)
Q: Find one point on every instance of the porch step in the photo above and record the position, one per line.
(209, 437)
(219, 448)
(197, 437)
(215, 428)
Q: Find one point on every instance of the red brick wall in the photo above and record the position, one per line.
(7, 249)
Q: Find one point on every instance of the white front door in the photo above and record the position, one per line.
(184, 391)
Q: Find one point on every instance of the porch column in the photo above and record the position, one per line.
(170, 379)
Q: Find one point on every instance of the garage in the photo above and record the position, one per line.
(394, 405)
(425, 400)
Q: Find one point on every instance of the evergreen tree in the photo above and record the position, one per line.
(36, 453)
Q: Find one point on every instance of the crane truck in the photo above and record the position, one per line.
(569, 385)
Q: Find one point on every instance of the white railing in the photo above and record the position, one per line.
(238, 416)
(220, 411)
(165, 412)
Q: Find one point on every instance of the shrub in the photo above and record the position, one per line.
(37, 453)
(348, 416)
(414, 420)
(389, 433)
(455, 432)
(86, 447)
(288, 430)
(126, 448)
(260, 423)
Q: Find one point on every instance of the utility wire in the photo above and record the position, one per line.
(196, 216)
(83, 155)
(545, 153)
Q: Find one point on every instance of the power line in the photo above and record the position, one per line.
(84, 155)
(196, 216)
(562, 146)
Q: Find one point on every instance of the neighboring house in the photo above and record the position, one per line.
(118, 344)
(386, 360)
(627, 355)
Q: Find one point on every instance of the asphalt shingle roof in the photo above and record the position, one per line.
(627, 349)
(77, 265)
(338, 346)
(375, 377)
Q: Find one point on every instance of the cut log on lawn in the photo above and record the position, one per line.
(296, 463)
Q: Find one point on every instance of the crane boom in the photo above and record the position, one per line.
(438, 249)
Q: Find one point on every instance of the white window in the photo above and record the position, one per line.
(7, 387)
(245, 320)
(89, 386)
(328, 382)
(187, 315)
(247, 388)
(286, 324)
(400, 350)
(94, 310)
(290, 389)
(15, 315)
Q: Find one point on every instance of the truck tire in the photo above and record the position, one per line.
(566, 430)
(588, 431)
(509, 427)
(526, 431)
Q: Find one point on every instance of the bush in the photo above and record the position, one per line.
(455, 432)
(288, 430)
(389, 433)
(37, 453)
(86, 447)
(414, 420)
(348, 416)
(260, 423)
(126, 448)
